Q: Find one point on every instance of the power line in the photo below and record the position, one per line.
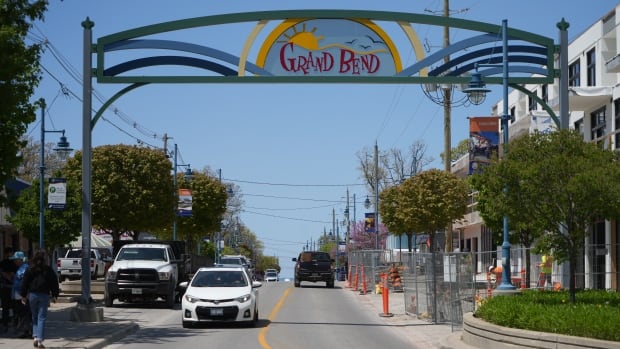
(74, 74)
(292, 185)
(289, 218)
(294, 198)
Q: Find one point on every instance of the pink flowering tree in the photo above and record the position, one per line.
(362, 240)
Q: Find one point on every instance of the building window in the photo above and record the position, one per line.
(545, 93)
(617, 120)
(573, 74)
(531, 103)
(579, 126)
(591, 58)
(513, 113)
(597, 120)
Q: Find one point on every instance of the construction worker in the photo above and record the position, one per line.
(546, 270)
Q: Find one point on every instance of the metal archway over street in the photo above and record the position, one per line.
(307, 46)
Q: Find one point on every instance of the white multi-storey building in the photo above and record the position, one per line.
(594, 108)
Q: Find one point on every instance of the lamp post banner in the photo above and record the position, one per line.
(483, 141)
(57, 194)
(185, 203)
(369, 222)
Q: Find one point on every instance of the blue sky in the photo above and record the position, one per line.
(291, 149)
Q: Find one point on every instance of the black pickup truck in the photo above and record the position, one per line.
(314, 266)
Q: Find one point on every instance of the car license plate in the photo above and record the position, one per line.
(217, 311)
(136, 291)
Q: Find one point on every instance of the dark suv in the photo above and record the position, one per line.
(314, 266)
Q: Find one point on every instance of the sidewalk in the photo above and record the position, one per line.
(422, 333)
(61, 332)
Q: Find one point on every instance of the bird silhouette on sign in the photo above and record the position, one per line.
(375, 41)
(365, 47)
(350, 42)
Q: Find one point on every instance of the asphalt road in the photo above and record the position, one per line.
(311, 316)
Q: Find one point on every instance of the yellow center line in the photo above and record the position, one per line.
(272, 316)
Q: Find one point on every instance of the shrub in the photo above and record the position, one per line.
(594, 314)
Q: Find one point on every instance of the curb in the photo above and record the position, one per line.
(99, 343)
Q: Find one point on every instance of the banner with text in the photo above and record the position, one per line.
(483, 141)
(57, 194)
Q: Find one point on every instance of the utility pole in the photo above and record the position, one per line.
(447, 111)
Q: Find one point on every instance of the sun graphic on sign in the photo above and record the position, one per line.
(304, 38)
(308, 40)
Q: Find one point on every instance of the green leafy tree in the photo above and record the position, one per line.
(61, 226)
(268, 262)
(561, 184)
(389, 210)
(19, 76)
(427, 202)
(491, 207)
(209, 197)
(132, 189)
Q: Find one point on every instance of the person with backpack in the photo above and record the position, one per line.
(39, 284)
(21, 311)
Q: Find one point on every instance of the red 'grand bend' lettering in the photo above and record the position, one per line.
(349, 61)
(323, 62)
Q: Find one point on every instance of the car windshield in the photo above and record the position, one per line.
(141, 253)
(219, 278)
(230, 261)
(310, 256)
(271, 274)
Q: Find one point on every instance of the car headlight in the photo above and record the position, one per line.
(164, 275)
(191, 299)
(111, 275)
(245, 298)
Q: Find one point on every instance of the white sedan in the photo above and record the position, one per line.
(271, 276)
(220, 294)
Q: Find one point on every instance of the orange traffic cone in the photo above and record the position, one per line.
(397, 284)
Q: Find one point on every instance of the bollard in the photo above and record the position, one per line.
(386, 298)
(364, 290)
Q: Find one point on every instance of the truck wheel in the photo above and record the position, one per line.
(94, 275)
(170, 299)
(297, 283)
(108, 300)
(330, 284)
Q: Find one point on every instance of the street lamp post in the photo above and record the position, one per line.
(188, 176)
(476, 92)
(63, 150)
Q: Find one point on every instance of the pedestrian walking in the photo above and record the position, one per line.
(21, 311)
(39, 284)
(7, 270)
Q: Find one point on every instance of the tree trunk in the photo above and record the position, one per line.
(572, 267)
(410, 242)
(528, 255)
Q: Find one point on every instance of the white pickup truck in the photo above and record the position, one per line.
(143, 271)
(70, 267)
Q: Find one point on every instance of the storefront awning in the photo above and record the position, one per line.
(589, 98)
